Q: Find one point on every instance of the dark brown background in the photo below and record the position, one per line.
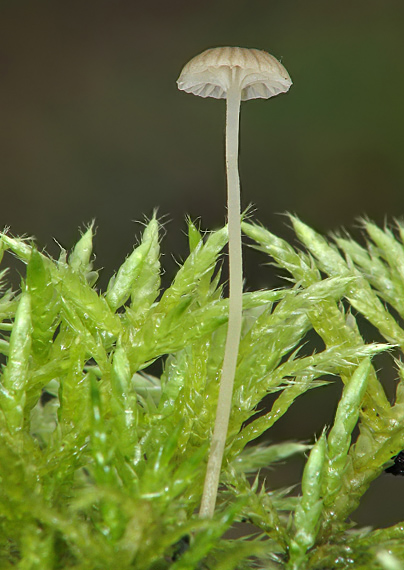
(93, 126)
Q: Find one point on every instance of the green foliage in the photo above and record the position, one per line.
(102, 463)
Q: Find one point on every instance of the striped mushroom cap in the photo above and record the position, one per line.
(211, 73)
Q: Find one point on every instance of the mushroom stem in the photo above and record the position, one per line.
(235, 304)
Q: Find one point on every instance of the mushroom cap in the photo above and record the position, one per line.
(211, 73)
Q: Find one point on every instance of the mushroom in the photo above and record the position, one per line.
(235, 74)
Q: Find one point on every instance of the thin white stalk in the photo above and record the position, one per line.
(235, 305)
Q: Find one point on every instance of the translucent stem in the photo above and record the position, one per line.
(235, 307)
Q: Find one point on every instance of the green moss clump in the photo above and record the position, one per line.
(102, 464)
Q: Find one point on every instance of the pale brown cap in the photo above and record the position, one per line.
(211, 73)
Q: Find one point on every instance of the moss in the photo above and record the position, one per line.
(102, 464)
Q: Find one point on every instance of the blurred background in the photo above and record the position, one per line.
(92, 126)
